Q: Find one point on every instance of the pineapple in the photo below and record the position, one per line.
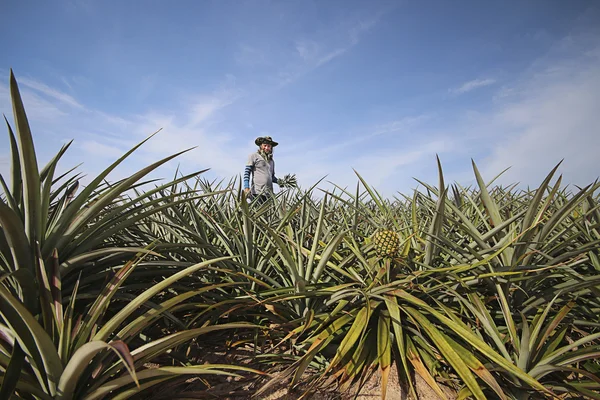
(386, 240)
(386, 243)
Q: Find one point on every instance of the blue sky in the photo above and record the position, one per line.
(376, 86)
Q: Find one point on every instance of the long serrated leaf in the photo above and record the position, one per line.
(101, 304)
(158, 347)
(16, 237)
(566, 348)
(327, 254)
(15, 165)
(56, 292)
(33, 340)
(421, 369)
(523, 359)
(392, 306)
(316, 237)
(29, 166)
(8, 197)
(384, 350)
(44, 292)
(112, 324)
(449, 354)
(490, 206)
(287, 258)
(79, 259)
(555, 322)
(67, 334)
(530, 215)
(435, 229)
(477, 367)
(27, 388)
(12, 372)
(81, 359)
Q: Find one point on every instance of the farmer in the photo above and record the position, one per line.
(262, 168)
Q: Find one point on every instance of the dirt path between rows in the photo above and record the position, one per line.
(370, 391)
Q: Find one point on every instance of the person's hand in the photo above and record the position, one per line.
(246, 191)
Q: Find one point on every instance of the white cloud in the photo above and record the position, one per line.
(101, 137)
(472, 85)
(203, 107)
(50, 92)
(206, 107)
(43, 109)
(547, 113)
(554, 115)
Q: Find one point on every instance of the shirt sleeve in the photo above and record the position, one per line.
(251, 160)
(274, 178)
(248, 170)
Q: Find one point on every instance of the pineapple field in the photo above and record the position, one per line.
(139, 289)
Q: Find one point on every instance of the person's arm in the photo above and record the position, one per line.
(247, 171)
(273, 177)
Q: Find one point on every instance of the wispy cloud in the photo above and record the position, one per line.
(360, 136)
(308, 50)
(325, 46)
(250, 56)
(50, 92)
(546, 114)
(43, 109)
(472, 85)
(403, 124)
(204, 106)
(56, 117)
(551, 117)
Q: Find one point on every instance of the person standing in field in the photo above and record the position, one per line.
(259, 174)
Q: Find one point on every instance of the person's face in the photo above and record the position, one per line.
(266, 147)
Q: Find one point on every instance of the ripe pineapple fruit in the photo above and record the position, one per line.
(386, 243)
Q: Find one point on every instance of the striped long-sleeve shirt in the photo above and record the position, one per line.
(259, 174)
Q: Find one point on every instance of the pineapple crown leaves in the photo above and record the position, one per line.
(288, 181)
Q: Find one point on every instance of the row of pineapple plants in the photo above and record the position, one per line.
(491, 291)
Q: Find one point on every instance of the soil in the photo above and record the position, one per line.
(242, 388)
(370, 391)
(238, 390)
